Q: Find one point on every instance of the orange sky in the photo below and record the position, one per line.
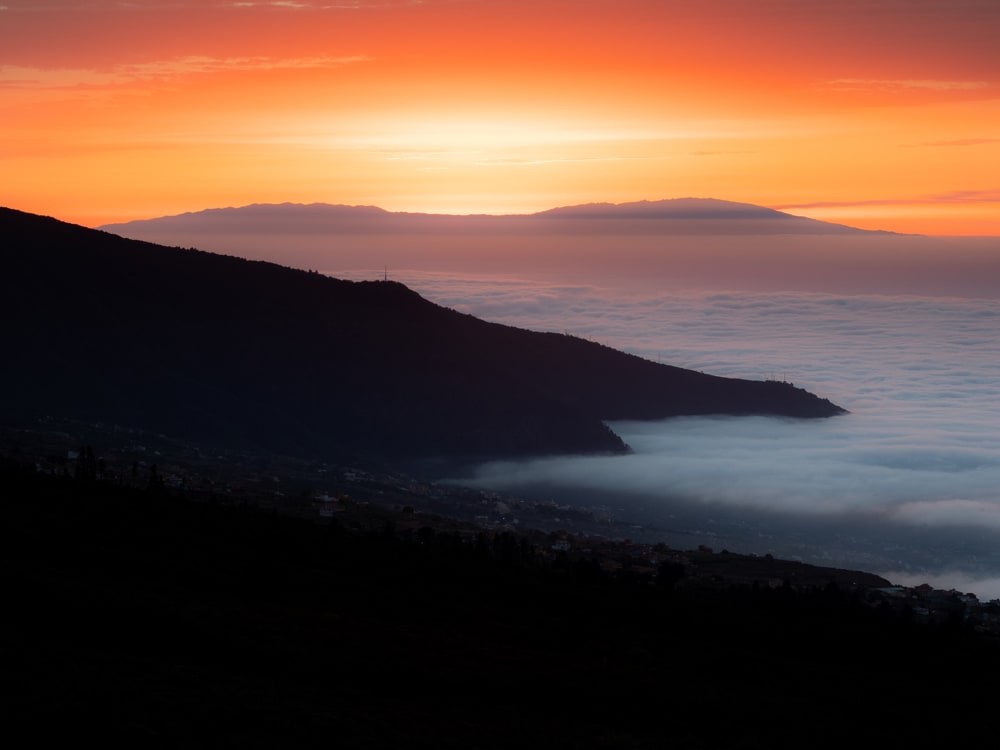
(877, 113)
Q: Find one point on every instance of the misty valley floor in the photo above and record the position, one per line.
(140, 616)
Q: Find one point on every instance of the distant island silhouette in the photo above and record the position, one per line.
(648, 247)
(682, 214)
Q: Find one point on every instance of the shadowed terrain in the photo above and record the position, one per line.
(229, 351)
(144, 617)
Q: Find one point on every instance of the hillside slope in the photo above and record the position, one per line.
(224, 350)
(144, 619)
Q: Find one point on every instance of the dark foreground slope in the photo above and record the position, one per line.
(218, 349)
(143, 618)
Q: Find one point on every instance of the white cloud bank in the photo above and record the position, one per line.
(909, 481)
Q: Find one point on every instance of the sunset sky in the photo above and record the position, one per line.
(882, 114)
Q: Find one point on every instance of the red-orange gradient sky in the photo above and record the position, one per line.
(877, 113)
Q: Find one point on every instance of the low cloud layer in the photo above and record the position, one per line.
(899, 330)
(908, 483)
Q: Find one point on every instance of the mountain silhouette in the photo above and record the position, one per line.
(687, 209)
(696, 215)
(222, 350)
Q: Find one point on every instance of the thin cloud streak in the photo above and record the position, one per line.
(956, 142)
(161, 70)
(561, 160)
(289, 5)
(113, 6)
(903, 85)
(956, 196)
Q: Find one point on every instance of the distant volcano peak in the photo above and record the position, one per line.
(671, 208)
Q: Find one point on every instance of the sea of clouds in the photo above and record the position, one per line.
(904, 331)
(906, 485)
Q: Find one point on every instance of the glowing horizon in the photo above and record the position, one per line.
(858, 113)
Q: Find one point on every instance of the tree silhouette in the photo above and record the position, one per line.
(86, 466)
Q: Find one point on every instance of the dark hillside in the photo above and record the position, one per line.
(219, 349)
(142, 618)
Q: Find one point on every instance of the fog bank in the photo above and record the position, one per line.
(907, 483)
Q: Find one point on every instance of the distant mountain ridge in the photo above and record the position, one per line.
(223, 350)
(685, 208)
(676, 210)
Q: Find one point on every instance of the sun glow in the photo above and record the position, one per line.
(116, 111)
